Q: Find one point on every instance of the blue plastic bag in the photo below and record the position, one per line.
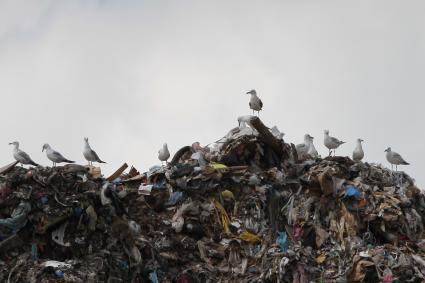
(153, 277)
(282, 241)
(351, 191)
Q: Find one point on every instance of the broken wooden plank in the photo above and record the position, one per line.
(117, 173)
(8, 167)
(266, 136)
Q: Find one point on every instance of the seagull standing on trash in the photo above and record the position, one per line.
(358, 152)
(303, 148)
(89, 154)
(163, 153)
(312, 149)
(245, 120)
(331, 142)
(54, 156)
(255, 103)
(394, 158)
(21, 156)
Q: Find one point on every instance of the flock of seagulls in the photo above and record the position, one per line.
(307, 149)
(53, 155)
(331, 143)
(303, 150)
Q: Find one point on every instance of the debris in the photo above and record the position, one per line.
(244, 209)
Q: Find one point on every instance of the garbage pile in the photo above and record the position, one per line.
(244, 209)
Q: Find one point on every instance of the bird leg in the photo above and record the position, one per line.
(330, 152)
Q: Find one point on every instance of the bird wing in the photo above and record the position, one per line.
(335, 140)
(58, 156)
(25, 156)
(398, 157)
(250, 105)
(95, 155)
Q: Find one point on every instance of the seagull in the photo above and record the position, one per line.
(21, 156)
(394, 158)
(54, 156)
(255, 103)
(303, 148)
(245, 120)
(89, 154)
(331, 142)
(358, 152)
(312, 150)
(163, 153)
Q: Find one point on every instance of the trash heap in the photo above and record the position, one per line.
(244, 209)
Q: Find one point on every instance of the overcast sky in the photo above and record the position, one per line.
(131, 75)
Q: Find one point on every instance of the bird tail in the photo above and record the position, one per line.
(33, 163)
(341, 142)
(405, 163)
(100, 161)
(69, 161)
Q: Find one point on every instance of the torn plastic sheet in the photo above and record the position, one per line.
(18, 218)
(58, 235)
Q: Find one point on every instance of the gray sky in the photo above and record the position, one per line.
(131, 75)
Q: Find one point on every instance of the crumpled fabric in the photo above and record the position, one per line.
(18, 218)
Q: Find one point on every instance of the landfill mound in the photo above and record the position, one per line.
(245, 209)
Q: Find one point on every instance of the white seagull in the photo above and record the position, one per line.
(394, 158)
(244, 120)
(331, 142)
(302, 148)
(54, 156)
(358, 152)
(255, 103)
(163, 153)
(89, 154)
(21, 156)
(312, 149)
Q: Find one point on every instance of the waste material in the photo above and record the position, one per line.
(249, 210)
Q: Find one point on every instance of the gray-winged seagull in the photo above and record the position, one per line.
(255, 103)
(89, 154)
(54, 156)
(302, 148)
(312, 149)
(20, 155)
(394, 158)
(163, 153)
(358, 152)
(331, 142)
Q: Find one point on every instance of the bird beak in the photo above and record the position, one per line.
(10, 143)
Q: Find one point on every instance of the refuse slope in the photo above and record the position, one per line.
(245, 209)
